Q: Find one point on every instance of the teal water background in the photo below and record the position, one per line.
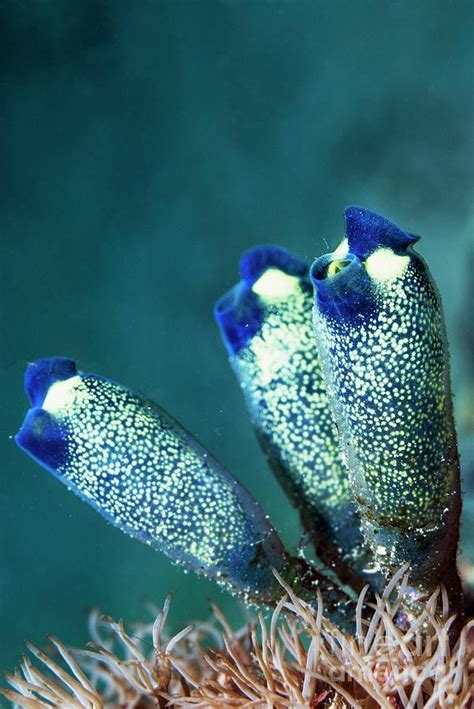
(144, 146)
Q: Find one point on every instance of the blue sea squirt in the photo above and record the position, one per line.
(266, 325)
(137, 466)
(381, 337)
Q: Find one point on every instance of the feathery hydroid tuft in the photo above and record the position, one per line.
(296, 658)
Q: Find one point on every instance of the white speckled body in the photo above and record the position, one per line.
(280, 375)
(387, 371)
(135, 464)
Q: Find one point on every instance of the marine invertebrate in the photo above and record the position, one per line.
(296, 659)
(266, 324)
(380, 332)
(137, 466)
(356, 421)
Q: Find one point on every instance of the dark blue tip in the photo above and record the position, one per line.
(40, 375)
(345, 294)
(366, 231)
(239, 313)
(239, 316)
(42, 438)
(259, 259)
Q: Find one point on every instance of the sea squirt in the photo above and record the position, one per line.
(380, 332)
(138, 467)
(266, 324)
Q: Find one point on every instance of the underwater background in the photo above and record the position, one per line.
(144, 147)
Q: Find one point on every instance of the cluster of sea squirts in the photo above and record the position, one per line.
(345, 373)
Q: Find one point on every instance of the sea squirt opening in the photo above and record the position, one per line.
(367, 231)
(342, 286)
(43, 439)
(40, 375)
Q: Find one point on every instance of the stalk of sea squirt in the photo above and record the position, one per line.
(267, 327)
(380, 330)
(145, 474)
